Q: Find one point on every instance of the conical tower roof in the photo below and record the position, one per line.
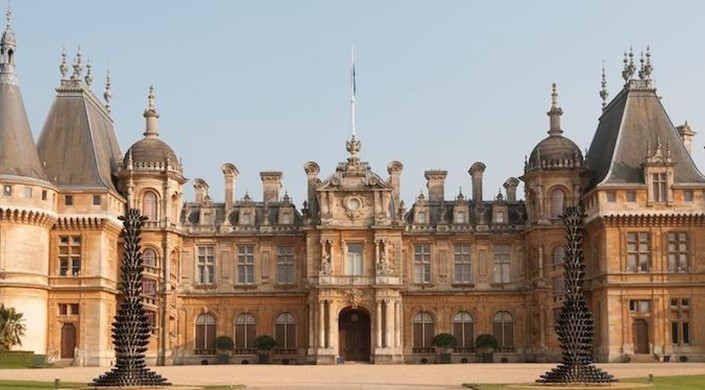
(18, 153)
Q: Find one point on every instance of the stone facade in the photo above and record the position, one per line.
(351, 273)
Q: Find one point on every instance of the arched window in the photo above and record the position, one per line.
(464, 330)
(557, 202)
(149, 257)
(423, 330)
(245, 331)
(503, 330)
(285, 331)
(149, 205)
(174, 264)
(205, 335)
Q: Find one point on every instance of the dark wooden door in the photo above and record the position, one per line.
(641, 336)
(68, 341)
(354, 331)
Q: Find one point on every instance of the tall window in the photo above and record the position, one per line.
(151, 320)
(503, 330)
(149, 205)
(285, 331)
(659, 188)
(285, 265)
(464, 330)
(205, 335)
(149, 257)
(69, 255)
(149, 288)
(638, 252)
(557, 202)
(206, 265)
(557, 255)
(463, 265)
(353, 262)
(678, 252)
(558, 287)
(423, 330)
(422, 263)
(680, 321)
(246, 264)
(501, 263)
(245, 331)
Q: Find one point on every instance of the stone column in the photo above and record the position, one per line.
(321, 324)
(311, 323)
(398, 327)
(332, 327)
(378, 323)
(389, 322)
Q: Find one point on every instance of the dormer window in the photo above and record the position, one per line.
(460, 217)
(499, 217)
(658, 175)
(246, 219)
(286, 219)
(421, 217)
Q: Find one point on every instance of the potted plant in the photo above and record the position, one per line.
(264, 345)
(224, 344)
(486, 344)
(445, 342)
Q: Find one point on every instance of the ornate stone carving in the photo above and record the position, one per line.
(354, 297)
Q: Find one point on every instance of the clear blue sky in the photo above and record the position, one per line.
(440, 84)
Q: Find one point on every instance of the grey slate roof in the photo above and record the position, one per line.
(18, 153)
(634, 121)
(78, 143)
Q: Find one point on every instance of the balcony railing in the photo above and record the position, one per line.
(354, 280)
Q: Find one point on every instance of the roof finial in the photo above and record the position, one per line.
(641, 68)
(108, 94)
(77, 68)
(555, 113)
(150, 98)
(89, 73)
(151, 115)
(8, 15)
(629, 67)
(604, 93)
(63, 67)
(648, 68)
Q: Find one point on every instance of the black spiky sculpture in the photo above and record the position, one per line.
(131, 329)
(576, 327)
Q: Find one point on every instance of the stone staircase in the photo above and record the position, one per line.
(643, 358)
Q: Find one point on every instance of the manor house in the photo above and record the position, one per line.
(354, 272)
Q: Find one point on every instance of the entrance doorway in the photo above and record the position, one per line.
(641, 336)
(354, 335)
(68, 341)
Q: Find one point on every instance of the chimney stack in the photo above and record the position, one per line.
(394, 169)
(230, 174)
(271, 184)
(511, 187)
(312, 170)
(435, 182)
(686, 134)
(201, 188)
(476, 171)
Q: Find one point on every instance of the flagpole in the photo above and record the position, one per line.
(352, 86)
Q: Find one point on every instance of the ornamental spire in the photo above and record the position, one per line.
(555, 113)
(604, 92)
(151, 115)
(89, 74)
(63, 67)
(108, 94)
(77, 67)
(629, 67)
(7, 48)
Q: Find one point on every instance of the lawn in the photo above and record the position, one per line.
(693, 382)
(31, 385)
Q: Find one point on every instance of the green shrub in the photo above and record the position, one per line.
(486, 341)
(224, 343)
(264, 343)
(444, 340)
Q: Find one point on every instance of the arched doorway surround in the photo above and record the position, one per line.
(354, 334)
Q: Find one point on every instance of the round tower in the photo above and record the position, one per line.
(27, 208)
(152, 179)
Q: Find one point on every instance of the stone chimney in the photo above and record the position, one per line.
(201, 188)
(511, 187)
(271, 184)
(476, 172)
(230, 174)
(312, 170)
(686, 134)
(435, 182)
(395, 169)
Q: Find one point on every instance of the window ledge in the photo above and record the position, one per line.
(463, 285)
